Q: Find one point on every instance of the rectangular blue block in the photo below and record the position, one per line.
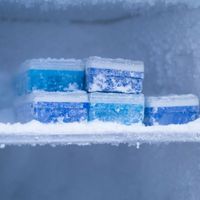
(171, 110)
(114, 75)
(51, 75)
(112, 107)
(49, 107)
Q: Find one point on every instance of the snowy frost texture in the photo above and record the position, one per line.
(162, 33)
(59, 3)
(113, 80)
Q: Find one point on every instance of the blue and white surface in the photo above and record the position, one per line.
(171, 109)
(162, 33)
(51, 75)
(53, 107)
(114, 75)
(111, 107)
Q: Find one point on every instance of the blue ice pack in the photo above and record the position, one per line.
(167, 110)
(114, 75)
(51, 75)
(112, 107)
(49, 107)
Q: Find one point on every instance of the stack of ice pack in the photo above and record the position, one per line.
(54, 90)
(49, 91)
(171, 109)
(115, 87)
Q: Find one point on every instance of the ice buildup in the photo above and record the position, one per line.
(114, 75)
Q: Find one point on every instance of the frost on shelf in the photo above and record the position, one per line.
(96, 132)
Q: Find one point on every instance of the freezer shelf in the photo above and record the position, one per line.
(34, 133)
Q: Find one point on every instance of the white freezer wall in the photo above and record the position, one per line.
(164, 35)
(153, 172)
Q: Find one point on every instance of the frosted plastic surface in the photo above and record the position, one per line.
(41, 96)
(172, 100)
(118, 64)
(53, 64)
(99, 97)
(50, 75)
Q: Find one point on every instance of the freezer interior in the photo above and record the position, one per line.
(162, 33)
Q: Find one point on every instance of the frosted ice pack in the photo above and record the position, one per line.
(114, 75)
(53, 107)
(112, 107)
(173, 109)
(51, 75)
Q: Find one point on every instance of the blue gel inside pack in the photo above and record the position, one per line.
(111, 80)
(50, 75)
(166, 115)
(124, 113)
(54, 112)
(169, 115)
(114, 75)
(47, 111)
(50, 80)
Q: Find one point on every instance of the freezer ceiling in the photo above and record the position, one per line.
(85, 9)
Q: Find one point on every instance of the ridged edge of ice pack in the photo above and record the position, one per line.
(120, 98)
(53, 64)
(172, 101)
(118, 64)
(41, 96)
